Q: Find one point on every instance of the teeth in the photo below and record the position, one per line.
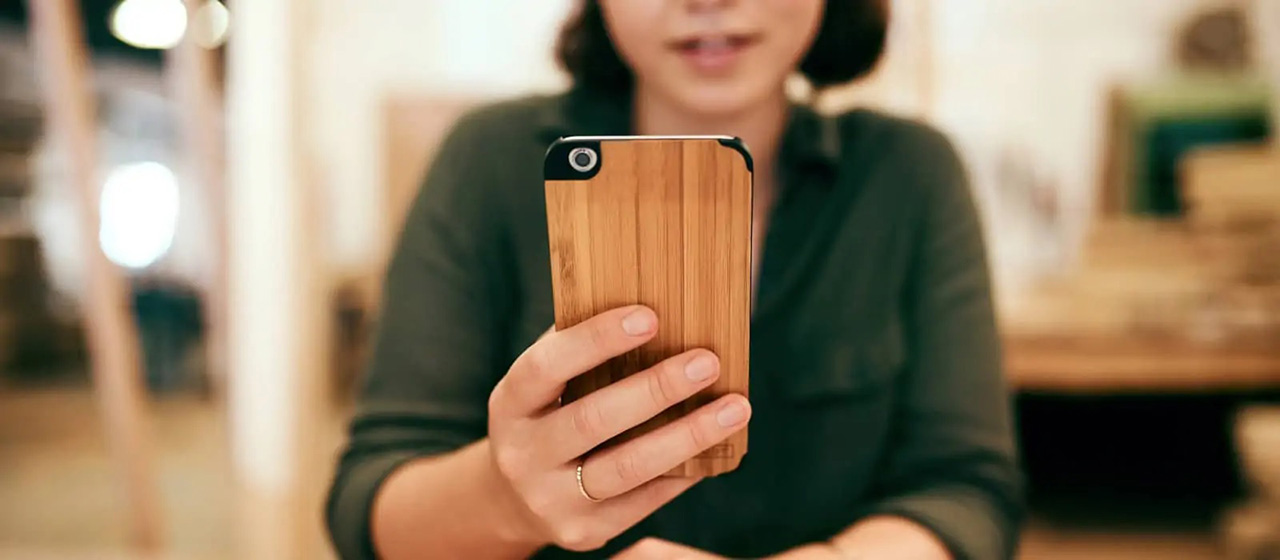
(715, 43)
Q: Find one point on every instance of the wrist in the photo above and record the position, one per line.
(514, 523)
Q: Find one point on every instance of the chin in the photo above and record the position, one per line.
(721, 100)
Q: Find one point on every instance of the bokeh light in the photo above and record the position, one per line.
(149, 24)
(139, 209)
(210, 23)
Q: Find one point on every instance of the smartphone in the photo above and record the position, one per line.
(663, 221)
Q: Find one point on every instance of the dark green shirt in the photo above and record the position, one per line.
(875, 365)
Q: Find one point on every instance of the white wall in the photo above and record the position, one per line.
(365, 50)
(1029, 80)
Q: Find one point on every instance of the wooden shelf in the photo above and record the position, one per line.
(1134, 365)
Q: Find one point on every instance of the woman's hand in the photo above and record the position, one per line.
(658, 549)
(535, 444)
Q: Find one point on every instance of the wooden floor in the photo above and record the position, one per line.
(58, 499)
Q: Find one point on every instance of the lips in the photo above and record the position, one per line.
(714, 53)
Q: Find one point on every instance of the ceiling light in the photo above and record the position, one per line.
(149, 24)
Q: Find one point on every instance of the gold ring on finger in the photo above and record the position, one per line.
(583, 489)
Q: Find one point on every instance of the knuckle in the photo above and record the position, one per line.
(660, 389)
(627, 468)
(509, 461)
(600, 334)
(696, 436)
(541, 504)
(496, 398)
(577, 537)
(587, 419)
(538, 363)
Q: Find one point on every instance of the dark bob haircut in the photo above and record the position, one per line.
(849, 43)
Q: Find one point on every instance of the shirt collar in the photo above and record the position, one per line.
(811, 142)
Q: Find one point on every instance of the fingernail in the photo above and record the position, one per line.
(732, 414)
(700, 368)
(638, 322)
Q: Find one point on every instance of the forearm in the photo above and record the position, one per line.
(880, 536)
(886, 536)
(454, 505)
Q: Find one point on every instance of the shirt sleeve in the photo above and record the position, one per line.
(952, 466)
(440, 344)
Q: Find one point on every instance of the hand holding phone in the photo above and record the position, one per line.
(536, 442)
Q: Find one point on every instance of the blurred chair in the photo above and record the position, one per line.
(34, 341)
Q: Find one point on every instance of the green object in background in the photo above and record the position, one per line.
(1169, 118)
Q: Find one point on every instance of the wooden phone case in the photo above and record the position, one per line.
(664, 222)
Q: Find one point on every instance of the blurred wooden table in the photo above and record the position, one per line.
(1132, 365)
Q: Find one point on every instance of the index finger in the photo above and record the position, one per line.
(537, 377)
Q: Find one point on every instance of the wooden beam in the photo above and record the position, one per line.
(112, 333)
(198, 96)
(279, 311)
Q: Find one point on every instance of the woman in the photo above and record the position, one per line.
(879, 424)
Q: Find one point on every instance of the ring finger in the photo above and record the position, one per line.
(616, 470)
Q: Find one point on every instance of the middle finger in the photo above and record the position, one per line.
(587, 422)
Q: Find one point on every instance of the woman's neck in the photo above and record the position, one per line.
(761, 126)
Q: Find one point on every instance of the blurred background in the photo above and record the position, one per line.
(205, 194)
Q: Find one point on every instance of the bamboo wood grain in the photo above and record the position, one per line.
(667, 224)
(112, 336)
